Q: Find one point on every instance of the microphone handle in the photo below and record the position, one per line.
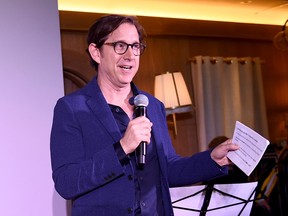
(141, 150)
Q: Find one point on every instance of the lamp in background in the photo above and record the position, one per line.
(171, 89)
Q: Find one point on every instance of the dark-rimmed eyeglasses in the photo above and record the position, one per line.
(121, 47)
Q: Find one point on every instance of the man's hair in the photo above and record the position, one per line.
(100, 30)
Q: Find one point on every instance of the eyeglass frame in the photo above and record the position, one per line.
(142, 47)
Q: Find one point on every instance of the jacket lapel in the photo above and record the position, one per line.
(101, 110)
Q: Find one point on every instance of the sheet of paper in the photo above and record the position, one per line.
(252, 147)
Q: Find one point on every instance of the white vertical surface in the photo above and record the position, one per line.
(31, 82)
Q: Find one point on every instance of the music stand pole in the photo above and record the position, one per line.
(208, 194)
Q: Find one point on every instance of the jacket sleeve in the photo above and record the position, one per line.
(194, 169)
(183, 171)
(73, 172)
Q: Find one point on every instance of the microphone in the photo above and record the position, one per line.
(141, 102)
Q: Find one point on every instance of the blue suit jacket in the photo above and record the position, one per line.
(86, 168)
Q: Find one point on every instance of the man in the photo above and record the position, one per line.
(94, 136)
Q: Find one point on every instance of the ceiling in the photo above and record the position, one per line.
(271, 12)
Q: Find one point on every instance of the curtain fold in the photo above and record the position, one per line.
(226, 91)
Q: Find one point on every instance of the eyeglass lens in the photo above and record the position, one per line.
(122, 47)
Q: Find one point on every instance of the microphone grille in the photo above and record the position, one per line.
(141, 100)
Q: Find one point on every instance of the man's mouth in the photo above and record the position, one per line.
(126, 67)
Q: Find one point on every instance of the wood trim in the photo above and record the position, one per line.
(77, 78)
(79, 21)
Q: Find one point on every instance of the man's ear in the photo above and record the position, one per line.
(94, 52)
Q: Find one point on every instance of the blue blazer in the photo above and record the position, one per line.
(86, 168)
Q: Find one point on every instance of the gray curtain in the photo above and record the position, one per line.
(226, 90)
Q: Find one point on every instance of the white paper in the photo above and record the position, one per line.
(252, 147)
(186, 200)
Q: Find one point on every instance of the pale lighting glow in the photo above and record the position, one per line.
(199, 10)
(170, 88)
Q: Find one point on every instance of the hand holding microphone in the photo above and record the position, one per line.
(138, 132)
(141, 102)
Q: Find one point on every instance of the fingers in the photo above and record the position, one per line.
(141, 127)
(138, 130)
(231, 146)
(219, 153)
(228, 146)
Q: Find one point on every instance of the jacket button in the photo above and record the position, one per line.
(130, 210)
(130, 177)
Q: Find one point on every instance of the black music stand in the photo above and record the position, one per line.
(210, 199)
